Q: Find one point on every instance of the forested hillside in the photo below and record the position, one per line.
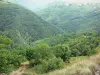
(31, 45)
(23, 25)
(76, 18)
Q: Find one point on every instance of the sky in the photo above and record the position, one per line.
(82, 1)
(68, 1)
(38, 4)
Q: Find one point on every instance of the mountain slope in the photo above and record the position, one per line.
(73, 17)
(23, 25)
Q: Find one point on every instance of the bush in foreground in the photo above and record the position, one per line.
(9, 61)
(51, 64)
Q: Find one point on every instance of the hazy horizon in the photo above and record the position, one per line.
(39, 4)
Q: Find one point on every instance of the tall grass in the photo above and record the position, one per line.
(90, 66)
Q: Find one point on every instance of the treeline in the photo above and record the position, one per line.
(45, 57)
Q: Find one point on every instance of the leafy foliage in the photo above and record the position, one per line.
(9, 60)
(5, 42)
(43, 59)
(39, 53)
(82, 44)
(62, 51)
(51, 64)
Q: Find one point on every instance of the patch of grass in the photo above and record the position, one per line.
(74, 60)
(98, 49)
(25, 63)
(30, 69)
(79, 58)
(85, 66)
(27, 73)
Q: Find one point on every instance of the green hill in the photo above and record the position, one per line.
(23, 25)
(77, 18)
(49, 47)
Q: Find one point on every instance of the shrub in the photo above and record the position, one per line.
(51, 64)
(39, 53)
(9, 61)
(63, 52)
(5, 42)
(91, 52)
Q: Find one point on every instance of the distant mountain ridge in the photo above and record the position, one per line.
(76, 18)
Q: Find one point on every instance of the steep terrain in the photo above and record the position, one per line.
(77, 18)
(22, 25)
(68, 42)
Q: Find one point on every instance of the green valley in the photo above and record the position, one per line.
(61, 39)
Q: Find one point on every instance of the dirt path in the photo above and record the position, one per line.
(19, 71)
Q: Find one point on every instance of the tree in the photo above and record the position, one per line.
(9, 61)
(49, 65)
(5, 42)
(38, 53)
(62, 51)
